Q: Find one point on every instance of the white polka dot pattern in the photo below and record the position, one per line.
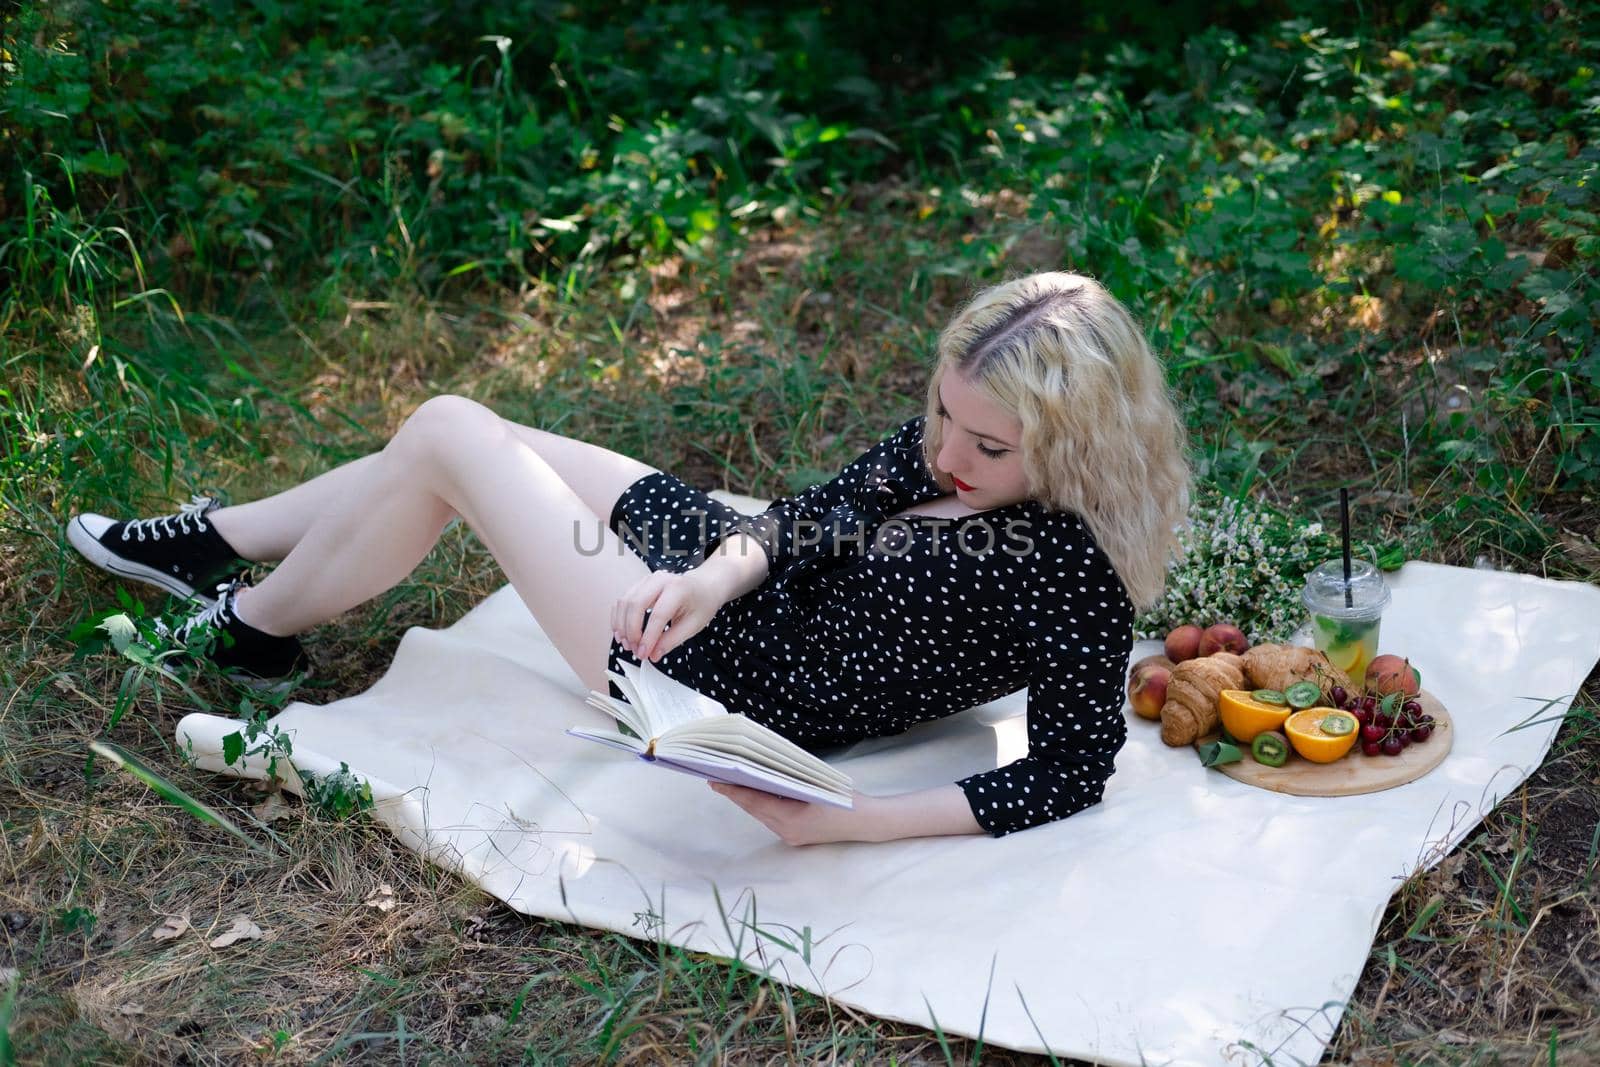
(882, 624)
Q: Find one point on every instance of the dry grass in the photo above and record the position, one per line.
(1489, 957)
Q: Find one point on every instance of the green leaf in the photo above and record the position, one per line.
(232, 748)
(101, 163)
(340, 794)
(121, 630)
(1392, 557)
(1217, 753)
(8, 1001)
(171, 793)
(141, 655)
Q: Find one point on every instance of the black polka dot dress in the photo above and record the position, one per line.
(867, 624)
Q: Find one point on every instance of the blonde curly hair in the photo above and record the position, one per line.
(1101, 436)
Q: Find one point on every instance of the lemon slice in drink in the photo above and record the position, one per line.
(1344, 657)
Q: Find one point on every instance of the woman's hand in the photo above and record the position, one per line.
(686, 601)
(800, 823)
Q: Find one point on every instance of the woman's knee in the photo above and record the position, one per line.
(446, 422)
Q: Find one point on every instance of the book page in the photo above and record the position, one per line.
(620, 710)
(722, 750)
(759, 744)
(802, 767)
(717, 769)
(666, 702)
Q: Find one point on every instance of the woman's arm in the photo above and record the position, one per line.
(738, 566)
(744, 555)
(686, 600)
(934, 812)
(1077, 638)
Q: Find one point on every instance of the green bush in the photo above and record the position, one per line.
(1232, 178)
(355, 145)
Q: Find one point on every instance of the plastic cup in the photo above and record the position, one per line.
(1346, 634)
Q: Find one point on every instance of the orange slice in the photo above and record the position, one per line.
(1245, 716)
(1306, 735)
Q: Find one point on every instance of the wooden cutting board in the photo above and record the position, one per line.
(1356, 772)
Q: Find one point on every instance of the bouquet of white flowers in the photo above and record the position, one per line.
(1239, 561)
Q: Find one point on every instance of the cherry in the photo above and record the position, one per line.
(1371, 748)
(1369, 703)
(1371, 733)
(1411, 707)
(1392, 746)
(1382, 721)
(1362, 716)
(1421, 733)
(1339, 695)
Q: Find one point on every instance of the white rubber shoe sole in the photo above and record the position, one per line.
(84, 531)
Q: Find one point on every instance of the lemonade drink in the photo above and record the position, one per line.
(1349, 645)
(1347, 633)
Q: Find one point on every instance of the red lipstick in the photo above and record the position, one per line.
(961, 484)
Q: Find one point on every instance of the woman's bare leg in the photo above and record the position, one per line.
(456, 457)
(267, 530)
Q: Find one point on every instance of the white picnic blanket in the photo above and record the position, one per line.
(1187, 919)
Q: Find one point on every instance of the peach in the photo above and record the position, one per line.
(1146, 664)
(1390, 674)
(1224, 637)
(1183, 643)
(1149, 692)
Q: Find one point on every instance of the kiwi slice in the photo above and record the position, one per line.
(1303, 694)
(1269, 696)
(1271, 749)
(1338, 724)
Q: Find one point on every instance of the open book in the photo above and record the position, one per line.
(687, 731)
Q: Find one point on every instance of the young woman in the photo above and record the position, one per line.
(1001, 540)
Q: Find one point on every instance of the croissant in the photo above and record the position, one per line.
(1191, 708)
(1280, 666)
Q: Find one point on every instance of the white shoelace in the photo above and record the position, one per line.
(194, 509)
(215, 616)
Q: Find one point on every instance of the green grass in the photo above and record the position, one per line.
(1368, 255)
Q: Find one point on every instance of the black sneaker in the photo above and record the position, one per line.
(179, 553)
(258, 659)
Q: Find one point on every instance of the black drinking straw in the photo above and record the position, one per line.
(1344, 535)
